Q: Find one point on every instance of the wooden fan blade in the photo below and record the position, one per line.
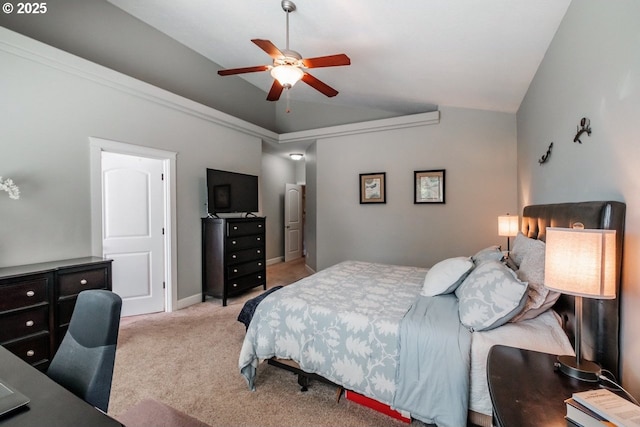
(232, 71)
(275, 92)
(268, 47)
(326, 61)
(318, 85)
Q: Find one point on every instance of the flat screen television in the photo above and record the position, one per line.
(229, 192)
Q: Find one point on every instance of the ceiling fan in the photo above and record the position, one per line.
(289, 66)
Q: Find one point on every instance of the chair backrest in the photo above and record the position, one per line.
(84, 362)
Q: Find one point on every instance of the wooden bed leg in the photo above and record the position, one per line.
(339, 391)
(303, 381)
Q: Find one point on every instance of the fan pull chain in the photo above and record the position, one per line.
(288, 108)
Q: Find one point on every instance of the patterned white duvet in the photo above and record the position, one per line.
(341, 323)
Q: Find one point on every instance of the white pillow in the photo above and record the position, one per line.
(446, 276)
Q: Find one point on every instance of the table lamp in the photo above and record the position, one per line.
(508, 226)
(582, 263)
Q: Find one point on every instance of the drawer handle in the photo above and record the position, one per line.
(30, 293)
(83, 281)
(259, 276)
(30, 353)
(235, 270)
(258, 239)
(259, 225)
(234, 256)
(29, 323)
(258, 251)
(233, 242)
(259, 264)
(235, 285)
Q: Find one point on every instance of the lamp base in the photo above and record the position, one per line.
(584, 370)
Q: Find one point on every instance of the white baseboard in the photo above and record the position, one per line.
(275, 260)
(186, 302)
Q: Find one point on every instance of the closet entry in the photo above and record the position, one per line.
(293, 221)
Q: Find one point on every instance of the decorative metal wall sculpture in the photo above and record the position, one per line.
(585, 126)
(545, 157)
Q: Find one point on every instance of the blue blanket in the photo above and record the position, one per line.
(432, 377)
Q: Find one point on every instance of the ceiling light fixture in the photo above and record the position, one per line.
(296, 156)
(287, 75)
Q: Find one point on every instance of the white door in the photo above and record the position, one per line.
(133, 229)
(293, 221)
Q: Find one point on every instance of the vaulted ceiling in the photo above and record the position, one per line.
(406, 57)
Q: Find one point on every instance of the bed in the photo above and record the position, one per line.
(370, 328)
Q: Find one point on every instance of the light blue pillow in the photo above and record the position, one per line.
(491, 253)
(490, 296)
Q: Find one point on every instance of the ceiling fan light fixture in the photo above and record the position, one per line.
(287, 75)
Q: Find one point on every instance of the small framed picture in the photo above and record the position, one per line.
(428, 186)
(373, 188)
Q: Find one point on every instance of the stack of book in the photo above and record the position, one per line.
(598, 408)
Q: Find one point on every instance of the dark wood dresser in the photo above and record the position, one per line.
(36, 302)
(233, 256)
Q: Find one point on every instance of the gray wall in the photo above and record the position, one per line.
(311, 200)
(476, 148)
(47, 117)
(276, 172)
(591, 69)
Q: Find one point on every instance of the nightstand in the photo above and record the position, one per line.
(526, 390)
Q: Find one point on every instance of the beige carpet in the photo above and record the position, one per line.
(189, 360)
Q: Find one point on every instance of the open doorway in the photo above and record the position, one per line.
(130, 179)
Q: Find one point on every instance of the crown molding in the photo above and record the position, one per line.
(421, 119)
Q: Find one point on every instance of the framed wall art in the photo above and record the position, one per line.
(428, 186)
(373, 188)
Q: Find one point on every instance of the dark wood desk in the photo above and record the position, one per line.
(51, 404)
(526, 390)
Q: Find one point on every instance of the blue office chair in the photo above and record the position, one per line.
(84, 362)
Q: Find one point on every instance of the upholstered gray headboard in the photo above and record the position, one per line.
(600, 327)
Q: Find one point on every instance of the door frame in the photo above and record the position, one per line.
(96, 147)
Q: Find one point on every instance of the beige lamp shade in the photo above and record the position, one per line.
(581, 262)
(508, 225)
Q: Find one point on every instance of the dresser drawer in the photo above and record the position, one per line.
(245, 228)
(17, 324)
(32, 350)
(245, 242)
(245, 255)
(65, 310)
(76, 282)
(238, 270)
(246, 282)
(23, 294)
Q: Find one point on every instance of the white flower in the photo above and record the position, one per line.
(8, 186)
